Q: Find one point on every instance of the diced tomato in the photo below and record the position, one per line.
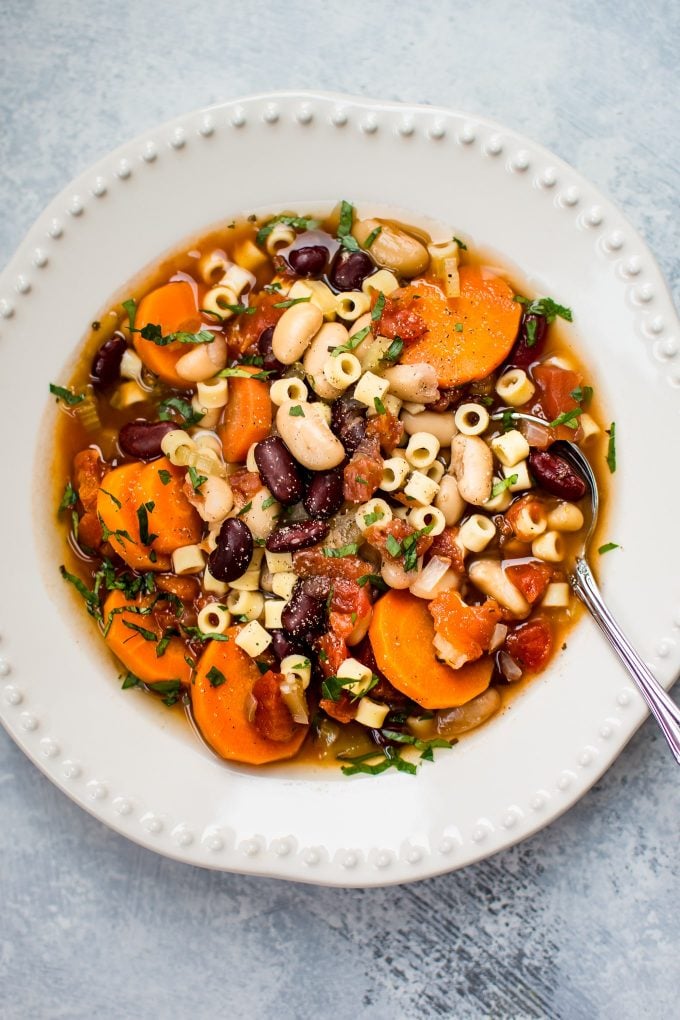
(446, 546)
(530, 578)
(400, 317)
(90, 532)
(363, 474)
(387, 428)
(530, 643)
(272, 719)
(343, 710)
(245, 483)
(88, 471)
(377, 535)
(332, 652)
(312, 563)
(556, 386)
(244, 330)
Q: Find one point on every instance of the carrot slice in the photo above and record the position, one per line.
(247, 417)
(489, 317)
(139, 653)
(221, 712)
(173, 307)
(172, 520)
(401, 634)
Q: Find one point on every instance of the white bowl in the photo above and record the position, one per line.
(144, 774)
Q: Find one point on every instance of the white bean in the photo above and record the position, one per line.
(417, 383)
(449, 500)
(488, 575)
(393, 248)
(308, 436)
(331, 335)
(204, 361)
(472, 466)
(294, 331)
(441, 425)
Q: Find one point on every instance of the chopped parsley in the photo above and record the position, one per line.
(296, 411)
(183, 408)
(196, 634)
(343, 550)
(143, 512)
(252, 359)
(568, 418)
(164, 476)
(393, 547)
(607, 547)
(130, 307)
(293, 301)
(69, 499)
(240, 373)
(114, 499)
(333, 686)
(131, 681)
(376, 515)
(91, 597)
(68, 396)
(546, 307)
(379, 406)
(378, 308)
(458, 326)
(374, 579)
(611, 447)
(154, 333)
(353, 342)
(345, 227)
(196, 479)
(502, 485)
(368, 243)
(582, 395)
(216, 677)
(508, 420)
(148, 635)
(297, 222)
(244, 509)
(170, 689)
(162, 645)
(269, 501)
(461, 244)
(273, 287)
(394, 350)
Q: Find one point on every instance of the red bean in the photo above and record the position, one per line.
(348, 422)
(531, 341)
(106, 362)
(283, 645)
(269, 362)
(279, 470)
(309, 261)
(350, 269)
(142, 439)
(303, 616)
(325, 495)
(556, 475)
(233, 552)
(292, 537)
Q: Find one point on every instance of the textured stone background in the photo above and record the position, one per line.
(582, 920)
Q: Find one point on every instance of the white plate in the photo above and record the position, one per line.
(153, 781)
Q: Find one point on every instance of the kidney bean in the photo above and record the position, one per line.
(106, 362)
(279, 470)
(291, 537)
(264, 346)
(529, 345)
(234, 550)
(308, 261)
(325, 494)
(348, 422)
(283, 644)
(142, 439)
(350, 269)
(556, 475)
(303, 616)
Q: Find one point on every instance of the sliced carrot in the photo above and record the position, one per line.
(173, 307)
(137, 652)
(173, 520)
(468, 628)
(401, 634)
(489, 317)
(221, 712)
(247, 417)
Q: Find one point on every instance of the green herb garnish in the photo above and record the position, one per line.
(461, 244)
(143, 512)
(374, 579)
(582, 395)
(130, 307)
(504, 484)
(164, 476)
(293, 301)
(196, 479)
(343, 550)
(69, 499)
(169, 688)
(183, 408)
(216, 677)
(296, 411)
(394, 350)
(368, 243)
(297, 222)
(568, 418)
(154, 333)
(458, 326)
(376, 515)
(379, 406)
(240, 373)
(607, 547)
(148, 635)
(352, 343)
(544, 306)
(269, 501)
(378, 308)
(162, 645)
(393, 547)
(68, 396)
(611, 447)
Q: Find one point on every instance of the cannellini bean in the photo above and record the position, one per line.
(331, 335)
(204, 361)
(395, 576)
(442, 426)
(294, 331)
(449, 500)
(488, 575)
(393, 248)
(308, 436)
(452, 722)
(214, 499)
(417, 383)
(260, 519)
(472, 466)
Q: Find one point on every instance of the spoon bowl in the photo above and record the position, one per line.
(582, 580)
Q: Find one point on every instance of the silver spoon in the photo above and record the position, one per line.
(664, 710)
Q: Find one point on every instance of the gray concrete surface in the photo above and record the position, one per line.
(582, 920)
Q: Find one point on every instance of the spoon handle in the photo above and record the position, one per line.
(662, 707)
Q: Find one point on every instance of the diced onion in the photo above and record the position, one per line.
(509, 667)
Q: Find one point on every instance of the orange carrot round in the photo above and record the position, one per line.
(247, 417)
(401, 634)
(221, 709)
(173, 307)
(138, 653)
(468, 336)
